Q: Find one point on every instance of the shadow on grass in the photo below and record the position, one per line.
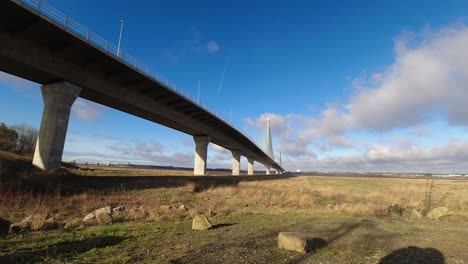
(315, 243)
(200, 183)
(414, 255)
(62, 250)
(18, 174)
(222, 225)
(68, 183)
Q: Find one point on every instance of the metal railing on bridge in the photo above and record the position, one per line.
(68, 24)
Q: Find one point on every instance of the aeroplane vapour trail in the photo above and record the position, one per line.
(222, 76)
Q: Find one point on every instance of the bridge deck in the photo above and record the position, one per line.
(39, 49)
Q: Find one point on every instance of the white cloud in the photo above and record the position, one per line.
(218, 149)
(428, 77)
(427, 80)
(212, 46)
(22, 86)
(195, 44)
(86, 110)
(16, 83)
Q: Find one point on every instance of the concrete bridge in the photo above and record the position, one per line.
(42, 45)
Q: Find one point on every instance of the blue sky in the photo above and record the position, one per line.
(349, 85)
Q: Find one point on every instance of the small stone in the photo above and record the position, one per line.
(396, 209)
(292, 241)
(4, 226)
(415, 214)
(165, 207)
(200, 222)
(436, 213)
(183, 207)
(118, 213)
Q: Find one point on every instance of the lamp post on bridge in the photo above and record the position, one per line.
(120, 37)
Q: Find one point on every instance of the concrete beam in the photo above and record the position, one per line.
(201, 151)
(58, 100)
(250, 166)
(236, 155)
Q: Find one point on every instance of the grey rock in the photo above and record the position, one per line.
(99, 216)
(43, 222)
(23, 225)
(103, 218)
(118, 213)
(73, 224)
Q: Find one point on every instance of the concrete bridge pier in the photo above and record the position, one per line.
(267, 171)
(58, 100)
(250, 166)
(236, 155)
(201, 151)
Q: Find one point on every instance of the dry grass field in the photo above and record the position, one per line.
(360, 220)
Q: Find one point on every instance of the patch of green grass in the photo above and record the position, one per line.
(252, 237)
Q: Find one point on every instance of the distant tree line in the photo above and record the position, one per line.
(20, 138)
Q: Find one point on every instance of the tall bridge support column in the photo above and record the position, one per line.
(250, 166)
(201, 151)
(58, 100)
(236, 155)
(267, 169)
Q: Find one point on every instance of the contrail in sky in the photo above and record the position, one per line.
(222, 76)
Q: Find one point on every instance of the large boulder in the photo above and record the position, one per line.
(103, 219)
(23, 225)
(437, 212)
(101, 216)
(34, 223)
(118, 213)
(43, 222)
(4, 226)
(137, 213)
(200, 222)
(72, 224)
(293, 241)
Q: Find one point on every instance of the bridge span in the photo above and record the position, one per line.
(40, 44)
